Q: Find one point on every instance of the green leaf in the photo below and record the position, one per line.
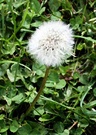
(39, 111)
(94, 92)
(94, 119)
(90, 104)
(8, 100)
(84, 79)
(76, 75)
(75, 22)
(66, 132)
(45, 117)
(5, 133)
(63, 69)
(18, 98)
(3, 68)
(36, 6)
(53, 76)
(27, 21)
(10, 75)
(48, 90)
(78, 131)
(54, 4)
(2, 116)
(9, 48)
(83, 123)
(61, 84)
(59, 127)
(14, 73)
(17, 4)
(36, 24)
(67, 6)
(38, 69)
(38, 129)
(50, 84)
(3, 127)
(56, 16)
(25, 129)
(81, 46)
(42, 10)
(14, 126)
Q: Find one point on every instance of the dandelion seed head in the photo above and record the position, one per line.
(52, 43)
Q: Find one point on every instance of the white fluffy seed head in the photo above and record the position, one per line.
(52, 43)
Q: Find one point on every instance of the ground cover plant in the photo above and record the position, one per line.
(67, 105)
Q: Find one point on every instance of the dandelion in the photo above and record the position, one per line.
(52, 43)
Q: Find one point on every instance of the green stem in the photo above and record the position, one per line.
(39, 92)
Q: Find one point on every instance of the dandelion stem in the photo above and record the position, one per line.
(39, 92)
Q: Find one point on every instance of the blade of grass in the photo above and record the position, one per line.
(22, 21)
(57, 103)
(86, 38)
(14, 62)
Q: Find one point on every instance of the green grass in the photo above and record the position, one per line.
(68, 103)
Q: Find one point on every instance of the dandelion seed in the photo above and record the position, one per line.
(52, 43)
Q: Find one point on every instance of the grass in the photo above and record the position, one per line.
(68, 103)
